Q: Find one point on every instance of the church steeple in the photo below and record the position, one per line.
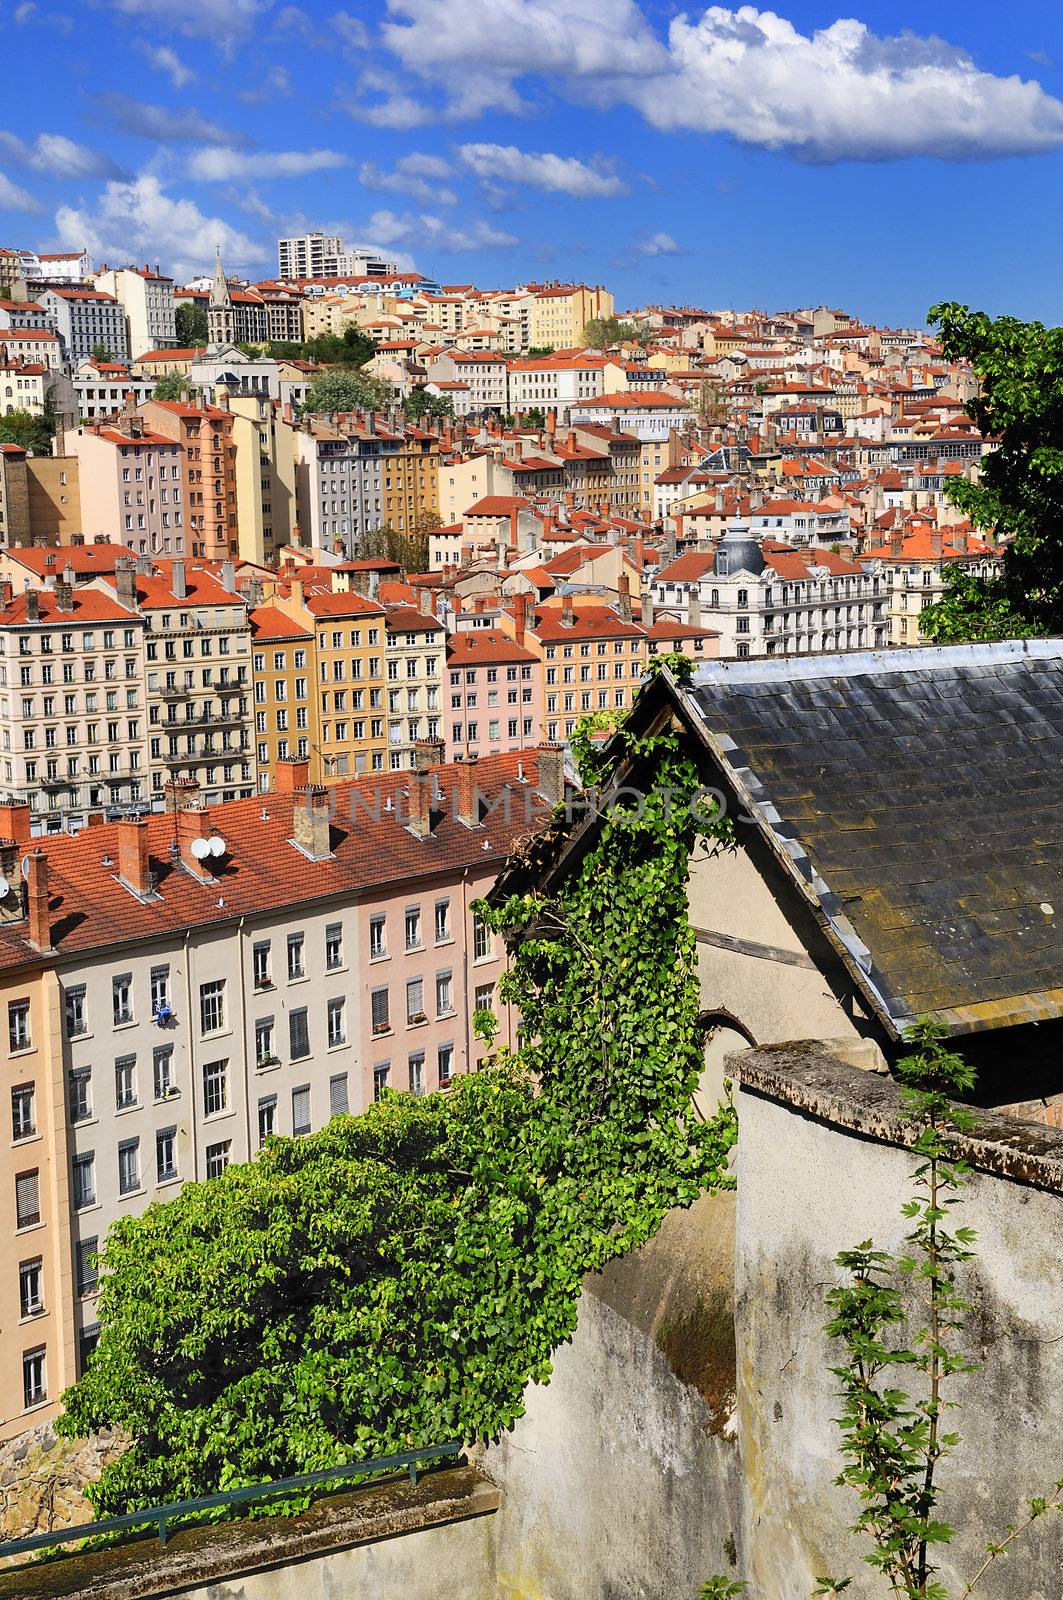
(221, 320)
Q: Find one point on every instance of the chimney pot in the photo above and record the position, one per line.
(419, 820)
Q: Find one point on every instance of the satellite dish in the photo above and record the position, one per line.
(26, 868)
(5, 888)
(216, 844)
(201, 849)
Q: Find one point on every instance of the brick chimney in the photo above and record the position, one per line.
(40, 927)
(550, 760)
(292, 775)
(133, 858)
(311, 823)
(694, 607)
(624, 597)
(520, 616)
(466, 806)
(427, 754)
(33, 606)
(15, 822)
(568, 615)
(419, 821)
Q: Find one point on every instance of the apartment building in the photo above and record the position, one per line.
(350, 734)
(170, 1008)
(798, 522)
(208, 460)
(416, 661)
(495, 700)
(23, 384)
(285, 695)
(647, 413)
(555, 381)
(73, 721)
(147, 299)
(558, 313)
(484, 375)
(197, 657)
(14, 496)
(85, 318)
(101, 387)
(32, 345)
(340, 470)
(265, 464)
(773, 600)
(411, 478)
(304, 256)
(131, 480)
(916, 567)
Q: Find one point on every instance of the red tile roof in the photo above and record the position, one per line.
(498, 505)
(268, 623)
(87, 560)
(87, 605)
(475, 647)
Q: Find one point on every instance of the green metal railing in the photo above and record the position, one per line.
(410, 1461)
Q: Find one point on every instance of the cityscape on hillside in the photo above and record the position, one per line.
(531, 807)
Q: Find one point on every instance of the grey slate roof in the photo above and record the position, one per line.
(916, 797)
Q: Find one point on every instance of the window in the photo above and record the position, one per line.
(122, 998)
(264, 1053)
(85, 1270)
(18, 1024)
(261, 965)
(34, 1387)
(212, 1006)
(27, 1200)
(23, 1115)
(296, 967)
(338, 1101)
(378, 937)
(416, 1065)
(481, 939)
(415, 1000)
(162, 1072)
(218, 1158)
(125, 1082)
(445, 1063)
(301, 1110)
(215, 1087)
(88, 1339)
(267, 1118)
(444, 994)
(31, 1287)
(80, 1090)
(482, 1001)
(442, 921)
(75, 1011)
(381, 1072)
(160, 990)
(333, 946)
(413, 927)
(128, 1166)
(380, 1011)
(298, 1034)
(166, 1154)
(84, 1181)
(337, 1022)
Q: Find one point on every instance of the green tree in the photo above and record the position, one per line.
(171, 386)
(973, 608)
(191, 324)
(535, 350)
(347, 390)
(100, 352)
(399, 1278)
(29, 429)
(1019, 495)
(601, 333)
(422, 404)
(534, 417)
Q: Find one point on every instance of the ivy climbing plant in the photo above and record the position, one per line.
(399, 1278)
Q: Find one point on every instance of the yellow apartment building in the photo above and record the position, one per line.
(559, 313)
(282, 652)
(349, 735)
(411, 479)
(265, 476)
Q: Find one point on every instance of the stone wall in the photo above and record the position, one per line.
(822, 1166)
(42, 1479)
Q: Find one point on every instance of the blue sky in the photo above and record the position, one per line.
(874, 156)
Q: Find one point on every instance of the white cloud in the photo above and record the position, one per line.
(658, 244)
(220, 20)
(142, 221)
(352, 31)
(425, 231)
(837, 93)
(25, 12)
(168, 124)
(409, 178)
(58, 157)
(12, 198)
(163, 59)
(556, 174)
(394, 111)
(276, 84)
(216, 164)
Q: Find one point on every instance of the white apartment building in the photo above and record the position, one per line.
(483, 373)
(785, 603)
(73, 721)
(147, 299)
(100, 388)
(339, 482)
(800, 522)
(555, 381)
(304, 255)
(416, 661)
(84, 318)
(649, 414)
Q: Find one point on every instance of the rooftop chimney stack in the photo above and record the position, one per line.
(568, 615)
(624, 600)
(292, 775)
(550, 759)
(420, 815)
(427, 754)
(467, 805)
(178, 583)
(40, 928)
(133, 857)
(312, 823)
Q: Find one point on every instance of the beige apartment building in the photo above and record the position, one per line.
(169, 1009)
(916, 568)
(559, 313)
(416, 661)
(73, 723)
(265, 476)
(349, 735)
(208, 462)
(282, 668)
(147, 299)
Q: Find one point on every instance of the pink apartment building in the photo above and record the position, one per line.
(131, 483)
(493, 696)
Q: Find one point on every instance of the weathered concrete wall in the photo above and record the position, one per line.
(621, 1481)
(820, 1168)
